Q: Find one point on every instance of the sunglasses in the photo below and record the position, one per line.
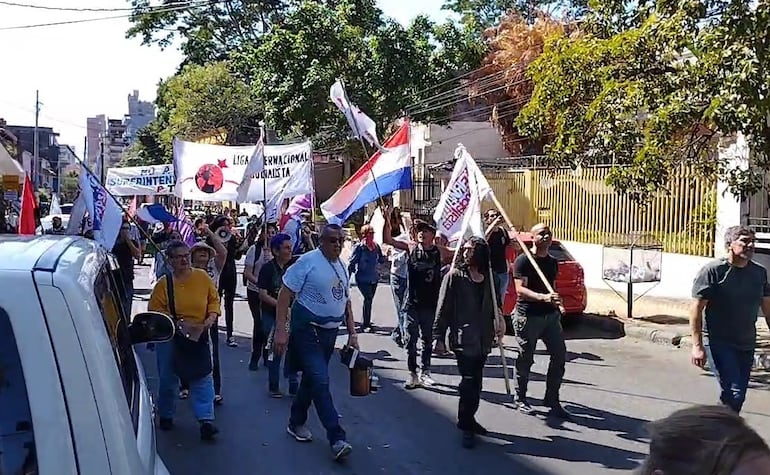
(334, 240)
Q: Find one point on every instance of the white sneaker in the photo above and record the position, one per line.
(426, 380)
(412, 382)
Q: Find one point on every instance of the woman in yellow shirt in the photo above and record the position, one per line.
(196, 304)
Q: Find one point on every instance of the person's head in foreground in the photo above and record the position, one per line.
(705, 440)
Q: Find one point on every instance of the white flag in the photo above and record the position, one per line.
(55, 205)
(256, 165)
(105, 214)
(361, 124)
(77, 216)
(456, 200)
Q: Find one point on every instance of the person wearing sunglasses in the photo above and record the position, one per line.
(537, 317)
(319, 286)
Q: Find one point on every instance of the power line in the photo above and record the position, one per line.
(64, 9)
(152, 10)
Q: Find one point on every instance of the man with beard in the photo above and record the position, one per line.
(729, 293)
(537, 317)
(467, 309)
(320, 287)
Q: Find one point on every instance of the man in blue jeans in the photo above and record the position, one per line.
(320, 287)
(728, 294)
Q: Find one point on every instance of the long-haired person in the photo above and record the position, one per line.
(467, 309)
(269, 283)
(228, 279)
(705, 440)
(256, 257)
(193, 302)
(367, 255)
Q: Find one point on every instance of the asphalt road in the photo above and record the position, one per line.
(613, 386)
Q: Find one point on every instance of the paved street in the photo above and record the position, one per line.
(613, 386)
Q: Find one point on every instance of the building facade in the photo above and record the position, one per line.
(96, 128)
(42, 173)
(140, 114)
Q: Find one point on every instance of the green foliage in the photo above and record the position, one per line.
(653, 85)
(478, 15)
(383, 65)
(207, 31)
(197, 102)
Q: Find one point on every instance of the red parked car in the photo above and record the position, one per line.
(570, 281)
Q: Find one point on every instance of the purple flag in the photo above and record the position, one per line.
(184, 226)
(299, 204)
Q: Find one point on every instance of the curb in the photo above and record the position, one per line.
(621, 327)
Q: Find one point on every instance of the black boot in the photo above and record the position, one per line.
(254, 362)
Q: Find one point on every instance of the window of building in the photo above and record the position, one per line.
(116, 323)
(17, 438)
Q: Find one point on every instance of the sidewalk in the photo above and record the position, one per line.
(659, 320)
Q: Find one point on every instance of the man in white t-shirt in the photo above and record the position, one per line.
(320, 285)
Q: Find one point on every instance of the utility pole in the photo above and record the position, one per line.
(101, 160)
(36, 146)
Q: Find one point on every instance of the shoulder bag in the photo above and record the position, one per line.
(191, 359)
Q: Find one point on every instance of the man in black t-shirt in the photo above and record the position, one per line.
(125, 251)
(498, 240)
(537, 317)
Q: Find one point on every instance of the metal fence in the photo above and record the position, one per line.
(580, 206)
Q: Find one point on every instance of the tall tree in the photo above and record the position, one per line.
(652, 86)
(207, 30)
(502, 82)
(384, 65)
(199, 101)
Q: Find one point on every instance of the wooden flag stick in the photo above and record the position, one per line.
(524, 248)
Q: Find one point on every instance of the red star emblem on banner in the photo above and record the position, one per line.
(222, 163)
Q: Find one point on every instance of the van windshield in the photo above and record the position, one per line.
(17, 440)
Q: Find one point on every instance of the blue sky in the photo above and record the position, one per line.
(88, 69)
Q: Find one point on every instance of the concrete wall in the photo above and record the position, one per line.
(677, 271)
(482, 139)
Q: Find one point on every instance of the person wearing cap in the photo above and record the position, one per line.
(424, 262)
(212, 260)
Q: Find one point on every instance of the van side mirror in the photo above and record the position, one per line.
(151, 327)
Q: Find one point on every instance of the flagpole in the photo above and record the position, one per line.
(312, 184)
(131, 218)
(361, 139)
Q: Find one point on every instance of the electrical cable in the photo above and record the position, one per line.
(80, 9)
(154, 10)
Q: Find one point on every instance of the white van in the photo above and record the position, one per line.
(73, 395)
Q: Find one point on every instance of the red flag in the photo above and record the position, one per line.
(28, 205)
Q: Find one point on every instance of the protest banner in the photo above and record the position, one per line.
(132, 181)
(213, 172)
